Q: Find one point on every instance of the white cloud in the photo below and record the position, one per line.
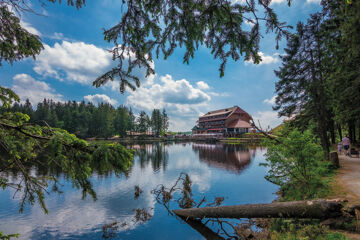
(100, 98)
(270, 101)
(59, 36)
(73, 61)
(29, 28)
(267, 118)
(250, 22)
(278, 1)
(179, 97)
(202, 85)
(313, 1)
(80, 62)
(27, 87)
(265, 59)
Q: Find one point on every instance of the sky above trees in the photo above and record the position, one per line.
(75, 54)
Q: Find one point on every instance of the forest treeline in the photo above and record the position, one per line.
(319, 80)
(86, 120)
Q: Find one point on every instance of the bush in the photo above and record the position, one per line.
(297, 165)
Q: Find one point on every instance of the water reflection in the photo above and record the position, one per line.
(231, 157)
(72, 218)
(156, 154)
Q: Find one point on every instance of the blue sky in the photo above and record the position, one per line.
(75, 54)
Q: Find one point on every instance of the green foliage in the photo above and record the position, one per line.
(8, 236)
(319, 77)
(297, 165)
(16, 43)
(25, 147)
(7, 97)
(282, 229)
(159, 122)
(149, 28)
(87, 120)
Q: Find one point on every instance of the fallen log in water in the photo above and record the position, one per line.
(315, 209)
(201, 228)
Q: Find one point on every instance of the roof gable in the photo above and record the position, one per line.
(230, 110)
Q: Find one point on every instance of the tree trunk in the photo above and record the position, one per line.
(334, 159)
(339, 130)
(315, 209)
(332, 132)
(201, 228)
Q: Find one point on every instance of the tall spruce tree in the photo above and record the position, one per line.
(302, 88)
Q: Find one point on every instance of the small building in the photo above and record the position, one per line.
(227, 121)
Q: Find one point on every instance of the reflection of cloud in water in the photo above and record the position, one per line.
(233, 158)
(71, 216)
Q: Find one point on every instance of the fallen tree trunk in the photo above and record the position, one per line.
(201, 228)
(316, 209)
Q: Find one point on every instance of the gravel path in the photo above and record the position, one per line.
(349, 177)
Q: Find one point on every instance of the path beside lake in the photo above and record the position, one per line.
(348, 178)
(348, 184)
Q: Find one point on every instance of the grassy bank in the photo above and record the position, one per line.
(297, 164)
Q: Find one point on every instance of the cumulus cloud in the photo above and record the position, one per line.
(265, 59)
(202, 85)
(77, 61)
(29, 88)
(80, 62)
(29, 28)
(168, 92)
(100, 98)
(179, 97)
(268, 118)
(270, 101)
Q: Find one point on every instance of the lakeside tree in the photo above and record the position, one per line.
(86, 120)
(165, 121)
(143, 122)
(319, 78)
(156, 122)
(301, 89)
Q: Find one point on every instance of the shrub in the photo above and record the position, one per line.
(297, 165)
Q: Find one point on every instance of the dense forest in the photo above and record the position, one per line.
(86, 120)
(319, 84)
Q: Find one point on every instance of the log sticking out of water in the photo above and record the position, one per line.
(315, 209)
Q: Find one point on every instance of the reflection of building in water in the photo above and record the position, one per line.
(232, 158)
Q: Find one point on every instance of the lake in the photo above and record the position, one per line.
(216, 170)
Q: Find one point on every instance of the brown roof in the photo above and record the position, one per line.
(239, 124)
(220, 111)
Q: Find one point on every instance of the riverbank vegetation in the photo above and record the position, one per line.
(297, 165)
(318, 90)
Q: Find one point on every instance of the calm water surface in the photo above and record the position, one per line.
(217, 170)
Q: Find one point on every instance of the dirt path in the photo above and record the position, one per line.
(347, 184)
(348, 178)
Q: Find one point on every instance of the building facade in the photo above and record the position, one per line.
(227, 121)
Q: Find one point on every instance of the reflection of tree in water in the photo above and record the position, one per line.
(233, 158)
(156, 154)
